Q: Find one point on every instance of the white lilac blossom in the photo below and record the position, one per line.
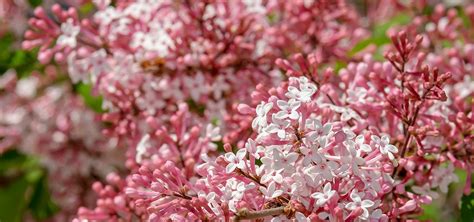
(304, 162)
(69, 34)
(235, 160)
(261, 119)
(323, 197)
(142, 148)
(357, 202)
(304, 92)
(384, 146)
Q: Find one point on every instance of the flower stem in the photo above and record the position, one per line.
(245, 214)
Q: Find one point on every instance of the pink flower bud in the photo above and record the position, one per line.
(410, 205)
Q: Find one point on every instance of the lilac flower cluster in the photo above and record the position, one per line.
(251, 110)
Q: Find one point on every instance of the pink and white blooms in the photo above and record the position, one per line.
(252, 110)
(316, 166)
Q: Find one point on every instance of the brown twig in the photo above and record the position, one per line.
(245, 214)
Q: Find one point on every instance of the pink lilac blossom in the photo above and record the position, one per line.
(418, 109)
(328, 28)
(14, 13)
(140, 58)
(16, 9)
(217, 132)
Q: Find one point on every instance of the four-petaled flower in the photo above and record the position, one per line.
(311, 155)
(253, 149)
(325, 196)
(285, 161)
(305, 91)
(235, 160)
(69, 34)
(355, 153)
(260, 120)
(318, 131)
(272, 175)
(357, 95)
(384, 146)
(359, 142)
(278, 126)
(357, 202)
(288, 109)
(271, 192)
(325, 169)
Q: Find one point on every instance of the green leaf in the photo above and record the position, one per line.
(41, 205)
(18, 59)
(196, 107)
(23, 187)
(462, 176)
(34, 175)
(11, 159)
(465, 18)
(92, 101)
(361, 45)
(467, 207)
(220, 146)
(86, 8)
(13, 200)
(430, 212)
(401, 19)
(35, 3)
(24, 62)
(6, 42)
(339, 65)
(428, 10)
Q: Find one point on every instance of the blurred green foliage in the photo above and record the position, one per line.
(23, 188)
(23, 181)
(92, 100)
(35, 3)
(11, 57)
(467, 205)
(196, 107)
(86, 8)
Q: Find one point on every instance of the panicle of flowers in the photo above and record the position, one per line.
(111, 203)
(410, 93)
(169, 173)
(140, 58)
(312, 166)
(409, 114)
(56, 39)
(329, 28)
(14, 14)
(419, 107)
(308, 164)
